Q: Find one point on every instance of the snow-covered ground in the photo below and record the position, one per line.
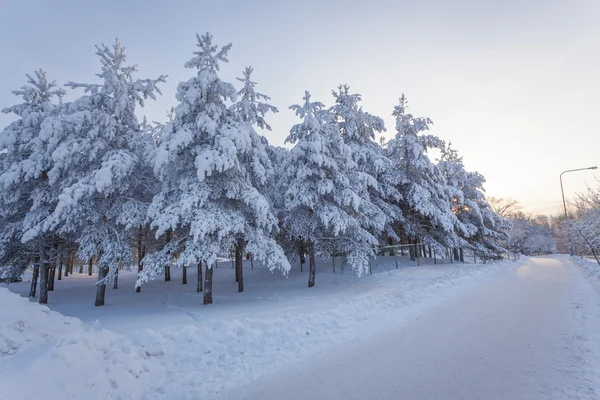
(532, 333)
(528, 329)
(590, 267)
(45, 354)
(164, 342)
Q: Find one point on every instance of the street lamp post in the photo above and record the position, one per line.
(565, 203)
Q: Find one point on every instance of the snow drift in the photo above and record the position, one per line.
(65, 357)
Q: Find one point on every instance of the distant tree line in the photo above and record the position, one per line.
(529, 234)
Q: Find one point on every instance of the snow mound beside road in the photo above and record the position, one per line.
(43, 353)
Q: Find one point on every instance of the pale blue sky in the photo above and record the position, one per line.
(512, 84)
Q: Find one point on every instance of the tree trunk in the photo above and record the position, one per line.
(462, 255)
(429, 251)
(140, 254)
(101, 288)
(61, 264)
(116, 281)
(51, 277)
(239, 272)
(44, 269)
(208, 285)
(168, 266)
(595, 255)
(52, 263)
(199, 283)
(90, 265)
(235, 265)
(302, 259)
(333, 263)
(184, 276)
(67, 269)
(456, 255)
(34, 277)
(312, 269)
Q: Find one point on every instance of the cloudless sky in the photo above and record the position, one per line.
(514, 84)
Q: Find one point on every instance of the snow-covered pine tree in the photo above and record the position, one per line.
(372, 178)
(98, 153)
(451, 166)
(25, 193)
(205, 166)
(275, 193)
(144, 239)
(484, 230)
(322, 208)
(251, 109)
(155, 131)
(428, 216)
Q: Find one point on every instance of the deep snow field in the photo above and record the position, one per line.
(163, 343)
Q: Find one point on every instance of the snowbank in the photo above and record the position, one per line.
(43, 353)
(589, 266)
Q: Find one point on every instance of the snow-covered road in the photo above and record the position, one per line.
(531, 333)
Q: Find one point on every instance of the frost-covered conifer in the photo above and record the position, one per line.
(426, 207)
(322, 207)
(251, 109)
(98, 153)
(372, 176)
(208, 165)
(484, 230)
(25, 193)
